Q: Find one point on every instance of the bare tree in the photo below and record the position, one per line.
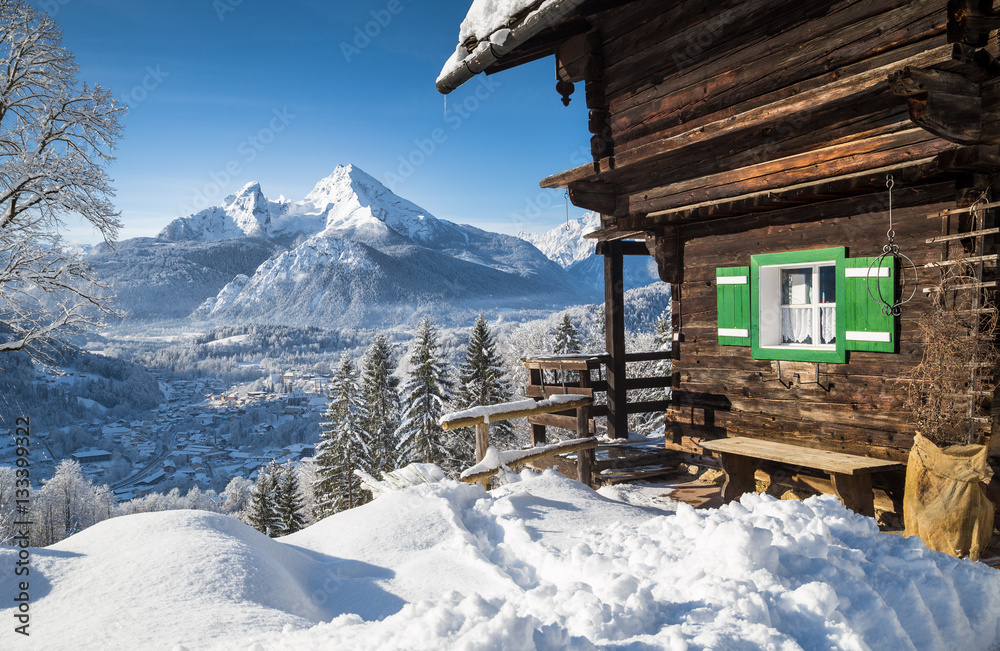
(56, 139)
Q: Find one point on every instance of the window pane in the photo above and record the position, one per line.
(828, 325)
(796, 286)
(828, 284)
(796, 325)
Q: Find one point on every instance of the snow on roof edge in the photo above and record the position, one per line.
(501, 39)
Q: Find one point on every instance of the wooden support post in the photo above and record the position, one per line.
(584, 466)
(614, 312)
(482, 440)
(538, 435)
(855, 491)
(739, 476)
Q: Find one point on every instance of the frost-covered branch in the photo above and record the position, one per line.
(56, 139)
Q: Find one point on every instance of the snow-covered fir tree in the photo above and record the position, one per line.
(567, 338)
(481, 382)
(425, 394)
(342, 447)
(67, 504)
(664, 330)
(289, 502)
(380, 395)
(262, 512)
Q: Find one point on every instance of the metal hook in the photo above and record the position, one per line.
(567, 211)
(891, 249)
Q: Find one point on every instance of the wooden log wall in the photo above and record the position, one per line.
(715, 101)
(855, 407)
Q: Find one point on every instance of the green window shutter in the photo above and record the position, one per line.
(865, 326)
(732, 286)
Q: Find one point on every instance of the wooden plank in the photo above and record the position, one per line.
(962, 236)
(648, 356)
(564, 447)
(519, 413)
(831, 462)
(548, 390)
(565, 363)
(657, 382)
(562, 422)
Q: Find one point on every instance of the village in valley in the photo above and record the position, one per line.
(186, 442)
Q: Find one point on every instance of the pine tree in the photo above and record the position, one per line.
(567, 337)
(342, 446)
(262, 513)
(289, 506)
(481, 380)
(426, 391)
(380, 395)
(664, 340)
(664, 330)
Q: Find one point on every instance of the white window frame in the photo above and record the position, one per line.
(769, 323)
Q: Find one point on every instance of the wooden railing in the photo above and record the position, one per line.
(575, 375)
(481, 417)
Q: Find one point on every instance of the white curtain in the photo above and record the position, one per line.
(796, 324)
(828, 325)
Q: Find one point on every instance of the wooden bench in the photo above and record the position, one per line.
(851, 474)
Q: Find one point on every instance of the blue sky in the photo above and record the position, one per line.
(222, 92)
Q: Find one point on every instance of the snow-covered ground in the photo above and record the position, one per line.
(543, 563)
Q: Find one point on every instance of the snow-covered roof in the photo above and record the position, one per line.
(493, 29)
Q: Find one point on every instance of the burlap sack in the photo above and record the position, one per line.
(945, 502)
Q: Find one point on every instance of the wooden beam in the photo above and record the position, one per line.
(915, 81)
(518, 413)
(971, 21)
(629, 247)
(958, 118)
(596, 196)
(561, 422)
(613, 234)
(564, 447)
(614, 311)
(482, 440)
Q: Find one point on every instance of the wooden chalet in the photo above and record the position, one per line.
(748, 146)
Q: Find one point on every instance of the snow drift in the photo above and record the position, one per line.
(544, 563)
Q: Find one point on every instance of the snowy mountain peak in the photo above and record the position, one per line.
(346, 204)
(565, 243)
(250, 209)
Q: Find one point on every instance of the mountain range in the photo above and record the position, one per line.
(351, 253)
(566, 245)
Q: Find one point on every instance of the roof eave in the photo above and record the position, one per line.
(546, 16)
